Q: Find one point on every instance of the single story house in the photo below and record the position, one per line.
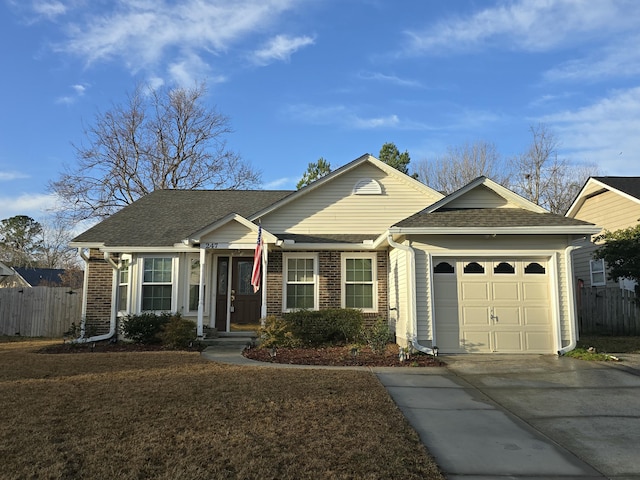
(480, 270)
(612, 203)
(29, 277)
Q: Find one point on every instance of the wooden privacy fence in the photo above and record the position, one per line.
(608, 310)
(39, 311)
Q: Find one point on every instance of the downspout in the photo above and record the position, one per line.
(413, 312)
(573, 324)
(112, 320)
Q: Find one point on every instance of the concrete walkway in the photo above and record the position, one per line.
(517, 416)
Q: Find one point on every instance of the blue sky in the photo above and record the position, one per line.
(301, 79)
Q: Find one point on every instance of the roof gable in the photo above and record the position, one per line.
(626, 187)
(495, 195)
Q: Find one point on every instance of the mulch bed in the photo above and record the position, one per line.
(330, 356)
(341, 356)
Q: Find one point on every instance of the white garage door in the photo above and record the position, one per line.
(492, 305)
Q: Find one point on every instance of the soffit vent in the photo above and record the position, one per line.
(367, 186)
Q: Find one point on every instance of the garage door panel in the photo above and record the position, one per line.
(476, 342)
(474, 291)
(536, 316)
(505, 291)
(507, 316)
(508, 342)
(538, 342)
(475, 315)
(535, 291)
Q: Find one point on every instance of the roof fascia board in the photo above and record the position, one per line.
(328, 246)
(341, 171)
(574, 229)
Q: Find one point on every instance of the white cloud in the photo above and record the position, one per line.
(341, 116)
(284, 182)
(603, 133)
(280, 48)
(142, 33)
(528, 25)
(79, 91)
(32, 205)
(49, 10)
(7, 176)
(381, 77)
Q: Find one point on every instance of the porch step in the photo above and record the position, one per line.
(229, 341)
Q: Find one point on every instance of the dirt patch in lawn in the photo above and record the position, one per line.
(341, 356)
(173, 415)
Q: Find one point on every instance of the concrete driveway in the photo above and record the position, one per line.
(525, 416)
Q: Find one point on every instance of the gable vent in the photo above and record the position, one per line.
(367, 186)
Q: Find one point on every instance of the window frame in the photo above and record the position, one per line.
(602, 271)
(285, 279)
(374, 279)
(126, 262)
(173, 282)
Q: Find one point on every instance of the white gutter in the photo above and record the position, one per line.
(573, 323)
(112, 320)
(413, 312)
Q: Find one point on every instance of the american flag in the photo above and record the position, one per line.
(257, 262)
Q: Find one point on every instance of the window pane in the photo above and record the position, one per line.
(157, 270)
(300, 270)
(244, 281)
(358, 296)
(124, 272)
(122, 297)
(300, 296)
(194, 296)
(194, 276)
(156, 297)
(358, 270)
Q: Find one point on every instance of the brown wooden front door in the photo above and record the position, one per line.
(245, 304)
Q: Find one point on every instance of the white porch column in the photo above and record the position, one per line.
(203, 256)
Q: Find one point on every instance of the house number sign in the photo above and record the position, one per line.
(210, 245)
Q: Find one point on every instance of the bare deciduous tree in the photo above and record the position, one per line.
(545, 179)
(160, 139)
(461, 165)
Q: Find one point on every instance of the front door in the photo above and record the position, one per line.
(244, 305)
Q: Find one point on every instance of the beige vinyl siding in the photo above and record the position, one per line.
(480, 197)
(334, 208)
(232, 232)
(610, 211)
(422, 297)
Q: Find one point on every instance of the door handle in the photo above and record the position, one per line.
(493, 317)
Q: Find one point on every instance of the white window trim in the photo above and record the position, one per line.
(593, 271)
(316, 288)
(127, 307)
(374, 275)
(187, 282)
(174, 281)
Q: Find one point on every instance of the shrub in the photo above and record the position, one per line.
(276, 333)
(145, 328)
(377, 336)
(178, 332)
(334, 325)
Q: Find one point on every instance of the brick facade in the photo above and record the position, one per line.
(99, 288)
(330, 283)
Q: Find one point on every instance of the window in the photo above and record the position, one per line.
(473, 267)
(157, 284)
(535, 269)
(444, 267)
(359, 281)
(300, 282)
(596, 268)
(123, 284)
(194, 283)
(504, 267)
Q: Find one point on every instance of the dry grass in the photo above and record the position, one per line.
(610, 343)
(172, 415)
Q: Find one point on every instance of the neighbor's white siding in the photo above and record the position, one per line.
(232, 233)
(610, 211)
(334, 208)
(480, 197)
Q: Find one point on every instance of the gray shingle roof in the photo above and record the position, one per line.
(166, 217)
(628, 185)
(487, 217)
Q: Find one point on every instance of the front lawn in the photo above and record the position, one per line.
(173, 415)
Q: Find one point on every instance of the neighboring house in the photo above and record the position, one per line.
(481, 270)
(29, 277)
(612, 203)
